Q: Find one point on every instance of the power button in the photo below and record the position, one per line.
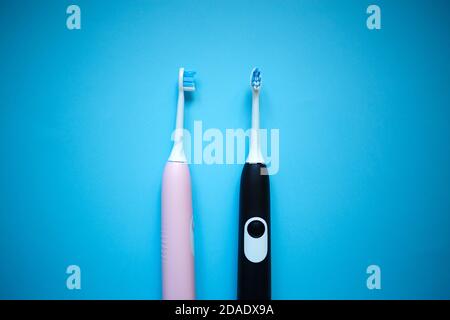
(256, 229)
(255, 239)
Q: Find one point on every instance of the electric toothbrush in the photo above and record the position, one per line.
(176, 210)
(254, 267)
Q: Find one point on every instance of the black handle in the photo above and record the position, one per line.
(254, 278)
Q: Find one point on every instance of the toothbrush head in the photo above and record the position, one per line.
(255, 79)
(186, 80)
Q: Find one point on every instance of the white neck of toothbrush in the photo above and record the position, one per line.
(178, 154)
(255, 155)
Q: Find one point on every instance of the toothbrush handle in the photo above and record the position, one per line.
(254, 265)
(176, 233)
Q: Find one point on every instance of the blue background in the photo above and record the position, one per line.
(86, 118)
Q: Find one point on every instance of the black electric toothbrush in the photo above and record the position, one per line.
(254, 276)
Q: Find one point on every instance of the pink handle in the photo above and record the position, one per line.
(176, 233)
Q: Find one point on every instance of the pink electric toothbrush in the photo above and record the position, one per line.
(176, 210)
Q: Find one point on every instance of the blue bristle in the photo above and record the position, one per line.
(256, 78)
(189, 73)
(188, 79)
